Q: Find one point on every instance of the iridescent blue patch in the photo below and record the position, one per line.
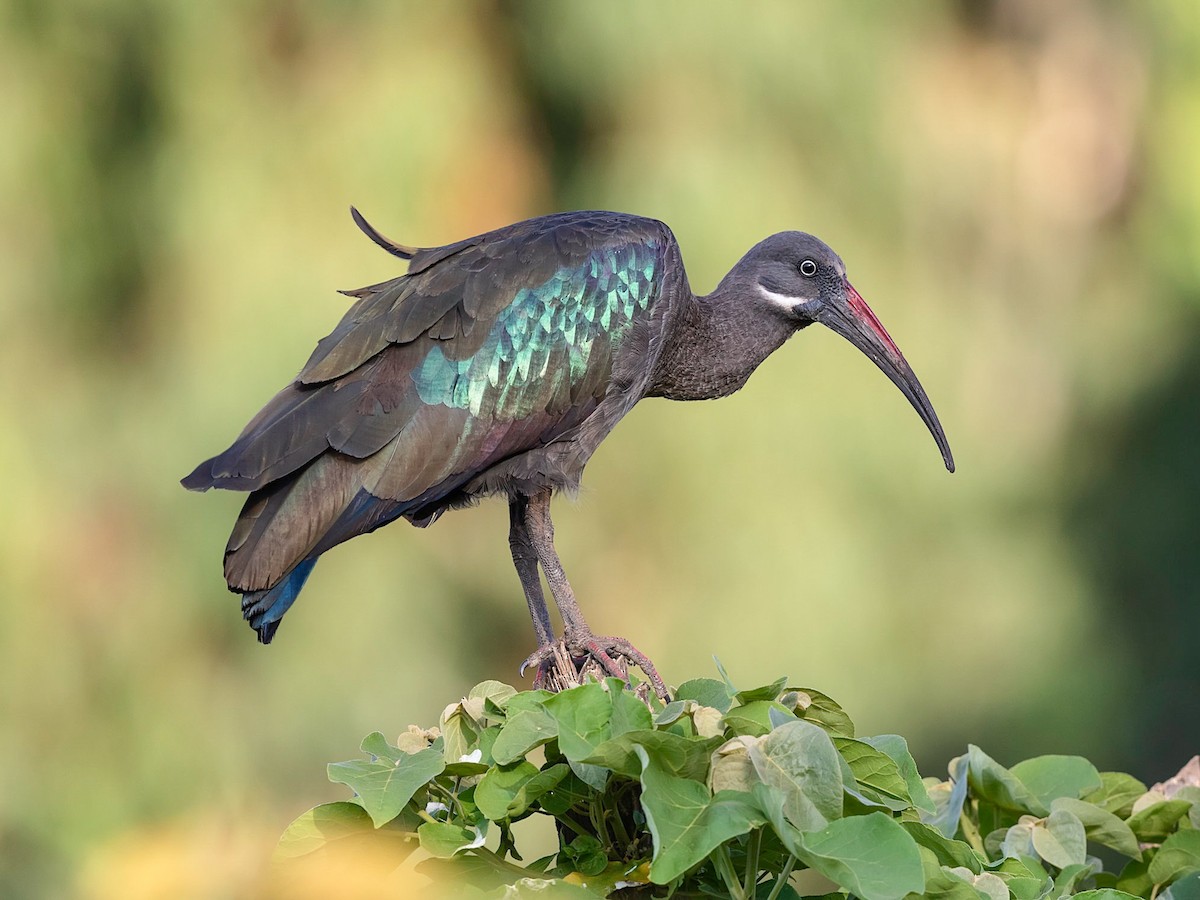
(567, 313)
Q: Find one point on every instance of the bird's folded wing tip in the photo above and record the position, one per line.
(201, 478)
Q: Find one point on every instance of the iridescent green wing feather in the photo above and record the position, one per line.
(551, 346)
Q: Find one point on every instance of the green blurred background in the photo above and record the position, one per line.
(1014, 186)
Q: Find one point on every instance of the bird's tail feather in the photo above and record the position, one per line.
(264, 609)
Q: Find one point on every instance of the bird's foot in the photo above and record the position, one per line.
(565, 664)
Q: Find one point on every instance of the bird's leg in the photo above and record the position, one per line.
(576, 633)
(540, 529)
(525, 560)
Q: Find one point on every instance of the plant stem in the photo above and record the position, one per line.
(619, 825)
(571, 825)
(752, 848)
(725, 867)
(971, 832)
(782, 879)
(451, 797)
(596, 814)
(440, 792)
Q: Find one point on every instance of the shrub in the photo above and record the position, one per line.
(728, 793)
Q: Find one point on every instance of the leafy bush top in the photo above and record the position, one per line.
(729, 793)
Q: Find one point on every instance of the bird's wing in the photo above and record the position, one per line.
(498, 346)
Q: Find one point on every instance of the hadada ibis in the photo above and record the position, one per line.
(497, 365)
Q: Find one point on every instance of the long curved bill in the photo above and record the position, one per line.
(854, 321)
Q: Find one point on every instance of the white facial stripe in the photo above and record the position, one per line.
(783, 301)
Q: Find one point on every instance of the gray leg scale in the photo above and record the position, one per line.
(541, 534)
(525, 559)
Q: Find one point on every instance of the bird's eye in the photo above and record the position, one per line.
(808, 268)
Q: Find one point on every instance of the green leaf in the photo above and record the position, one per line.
(948, 883)
(1155, 822)
(605, 882)
(948, 852)
(1186, 888)
(874, 769)
(991, 886)
(896, 748)
(1104, 894)
(1060, 839)
(1017, 841)
(384, 788)
(870, 856)
(1025, 878)
(499, 787)
(585, 854)
(685, 757)
(799, 760)
(1135, 878)
(487, 739)
(628, 712)
(1102, 826)
(460, 724)
(706, 692)
(824, 711)
(1178, 856)
(730, 766)
(1072, 876)
(707, 721)
(1116, 793)
(583, 715)
(670, 713)
(527, 701)
(987, 885)
(465, 769)
(378, 747)
(753, 718)
(778, 717)
(1051, 777)
(473, 762)
(571, 791)
(445, 839)
(537, 787)
(528, 725)
(992, 782)
(506, 792)
(322, 825)
(724, 676)
(686, 822)
(497, 692)
(595, 777)
(766, 692)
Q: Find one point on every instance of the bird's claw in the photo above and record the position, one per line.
(543, 667)
(561, 665)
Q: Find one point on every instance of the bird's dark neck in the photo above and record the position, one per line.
(716, 344)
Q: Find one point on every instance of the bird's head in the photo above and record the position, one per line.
(801, 278)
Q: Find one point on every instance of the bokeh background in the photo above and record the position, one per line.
(1015, 187)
